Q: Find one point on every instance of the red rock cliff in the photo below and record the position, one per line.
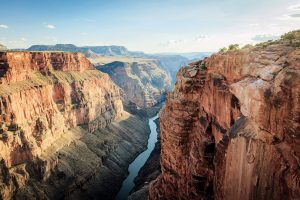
(230, 129)
(18, 66)
(43, 95)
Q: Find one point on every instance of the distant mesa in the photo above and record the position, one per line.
(143, 81)
(89, 51)
(101, 55)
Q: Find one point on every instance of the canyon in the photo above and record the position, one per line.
(71, 125)
(230, 128)
(64, 133)
(142, 81)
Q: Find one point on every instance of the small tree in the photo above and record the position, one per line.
(293, 37)
(233, 47)
(223, 50)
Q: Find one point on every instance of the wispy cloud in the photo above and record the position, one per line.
(50, 26)
(201, 38)
(293, 13)
(24, 39)
(3, 26)
(173, 43)
(265, 37)
(294, 7)
(295, 16)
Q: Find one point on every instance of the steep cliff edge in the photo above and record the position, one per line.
(62, 125)
(143, 82)
(230, 129)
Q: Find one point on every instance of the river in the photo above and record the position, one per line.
(138, 163)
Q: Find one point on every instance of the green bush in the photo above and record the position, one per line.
(223, 50)
(233, 47)
(203, 66)
(248, 46)
(293, 37)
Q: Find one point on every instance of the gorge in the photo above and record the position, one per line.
(64, 132)
(134, 168)
(230, 128)
(83, 124)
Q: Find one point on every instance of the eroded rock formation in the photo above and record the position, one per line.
(230, 129)
(143, 83)
(62, 125)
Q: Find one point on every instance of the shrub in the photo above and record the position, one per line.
(223, 50)
(233, 47)
(248, 46)
(203, 66)
(293, 37)
(268, 43)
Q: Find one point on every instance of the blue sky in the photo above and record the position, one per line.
(146, 25)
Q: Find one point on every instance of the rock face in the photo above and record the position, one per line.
(143, 83)
(230, 129)
(55, 127)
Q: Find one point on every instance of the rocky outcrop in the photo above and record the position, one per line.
(230, 129)
(143, 83)
(57, 127)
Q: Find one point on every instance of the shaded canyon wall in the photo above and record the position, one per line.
(63, 131)
(230, 129)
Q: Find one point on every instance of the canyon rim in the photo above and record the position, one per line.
(150, 100)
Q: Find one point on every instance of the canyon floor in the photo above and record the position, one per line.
(78, 173)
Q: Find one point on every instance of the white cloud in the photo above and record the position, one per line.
(181, 42)
(290, 17)
(265, 37)
(50, 26)
(3, 26)
(201, 38)
(293, 14)
(173, 43)
(294, 7)
(83, 33)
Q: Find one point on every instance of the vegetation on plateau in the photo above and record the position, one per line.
(291, 38)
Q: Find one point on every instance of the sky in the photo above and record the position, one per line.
(151, 26)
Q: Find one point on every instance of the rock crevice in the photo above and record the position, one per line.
(229, 127)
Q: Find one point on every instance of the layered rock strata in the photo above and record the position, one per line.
(53, 106)
(143, 83)
(230, 129)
